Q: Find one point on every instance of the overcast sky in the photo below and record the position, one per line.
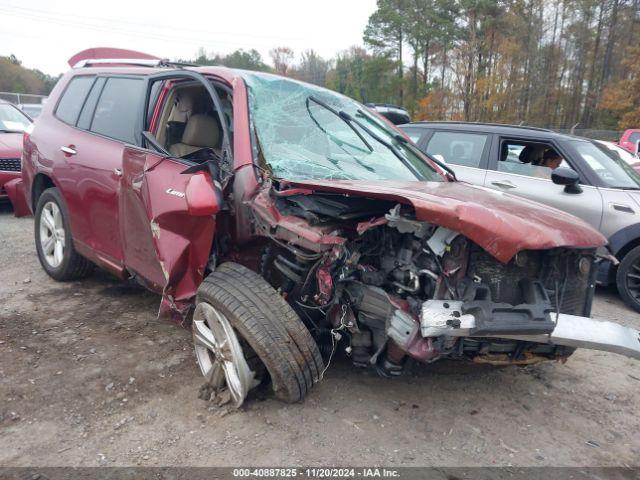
(45, 33)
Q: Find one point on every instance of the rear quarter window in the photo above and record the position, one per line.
(73, 98)
(413, 133)
(118, 109)
(458, 148)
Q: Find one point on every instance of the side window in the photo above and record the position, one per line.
(531, 159)
(73, 98)
(89, 107)
(116, 113)
(634, 137)
(458, 148)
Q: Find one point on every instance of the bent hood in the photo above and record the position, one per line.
(500, 223)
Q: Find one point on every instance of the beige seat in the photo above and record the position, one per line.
(201, 131)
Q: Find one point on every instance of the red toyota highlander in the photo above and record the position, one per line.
(285, 222)
(13, 124)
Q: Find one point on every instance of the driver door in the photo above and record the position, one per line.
(167, 215)
(163, 243)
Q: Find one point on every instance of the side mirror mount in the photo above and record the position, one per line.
(203, 196)
(567, 177)
(638, 149)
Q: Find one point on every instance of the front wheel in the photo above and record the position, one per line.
(239, 316)
(628, 279)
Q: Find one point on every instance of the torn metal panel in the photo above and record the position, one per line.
(269, 221)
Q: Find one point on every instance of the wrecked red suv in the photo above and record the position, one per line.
(286, 221)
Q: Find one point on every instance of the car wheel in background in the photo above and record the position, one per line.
(54, 244)
(239, 316)
(628, 279)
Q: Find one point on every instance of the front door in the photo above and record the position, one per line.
(164, 245)
(517, 167)
(167, 235)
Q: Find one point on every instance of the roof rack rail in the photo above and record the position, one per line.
(453, 122)
(135, 62)
(138, 62)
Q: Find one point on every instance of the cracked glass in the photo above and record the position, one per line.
(306, 132)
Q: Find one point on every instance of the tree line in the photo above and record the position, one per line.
(15, 78)
(553, 63)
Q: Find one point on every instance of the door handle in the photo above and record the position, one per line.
(503, 184)
(68, 151)
(622, 207)
(118, 172)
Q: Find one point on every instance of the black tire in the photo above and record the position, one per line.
(269, 325)
(73, 265)
(628, 279)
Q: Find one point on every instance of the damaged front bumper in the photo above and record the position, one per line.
(449, 318)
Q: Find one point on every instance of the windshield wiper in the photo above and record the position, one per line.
(381, 140)
(11, 131)
(342, 115)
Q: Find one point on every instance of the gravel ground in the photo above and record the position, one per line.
(89, 377)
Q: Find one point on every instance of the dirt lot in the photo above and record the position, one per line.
(88, 376)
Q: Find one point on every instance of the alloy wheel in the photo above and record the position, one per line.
(52, 235)
(219, 353)
(633, 279)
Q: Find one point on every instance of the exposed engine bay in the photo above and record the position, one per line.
(385, 287)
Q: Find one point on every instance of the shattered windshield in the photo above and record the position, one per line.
(306, 132)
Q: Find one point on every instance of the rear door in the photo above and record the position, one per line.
(509, 174)
(164, 244)
(96, 117)
(106, 124)
(465, 152)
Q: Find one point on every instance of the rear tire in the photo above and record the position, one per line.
(54, 244)
(628, 279)
(269, 325)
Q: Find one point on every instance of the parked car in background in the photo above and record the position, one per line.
(31, 109)
(13, 123)
(588, 180)
(629, 140)
(395, 114)
(289, 216)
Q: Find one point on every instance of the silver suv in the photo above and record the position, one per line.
(576, 175)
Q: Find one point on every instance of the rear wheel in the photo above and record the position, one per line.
(54, 244)
(238, 316)
(628, 279)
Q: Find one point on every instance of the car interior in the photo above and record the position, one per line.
(532, 159)
(189, 123)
